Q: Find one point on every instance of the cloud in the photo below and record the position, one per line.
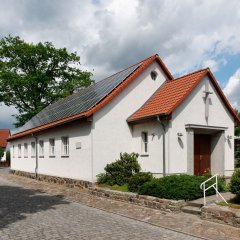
(6, 118)
(232, 89)
(110, 35)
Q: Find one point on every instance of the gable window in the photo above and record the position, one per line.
(154, 75)
(51, 147)
(33, 149)
(144, 137)
(41, 148)
(19, 150)
(65, 146)
(25, 150)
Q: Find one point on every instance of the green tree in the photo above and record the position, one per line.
(33, 76)
(237, 147)
(1, 152)
(237, 129)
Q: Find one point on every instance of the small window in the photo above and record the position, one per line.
(19, 150)
(65, 146)
(33, 149)
(52, 147)
(13, 151)
(41, 148)
(25, 150)
(154, 75)
(144, 143)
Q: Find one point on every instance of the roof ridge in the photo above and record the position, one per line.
(189, 74)
(155, 55)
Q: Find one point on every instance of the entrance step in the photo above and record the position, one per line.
(192, 210)
(195, 204)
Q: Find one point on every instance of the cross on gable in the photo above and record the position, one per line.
(207, 99)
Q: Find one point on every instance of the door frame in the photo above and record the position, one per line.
(194, 128)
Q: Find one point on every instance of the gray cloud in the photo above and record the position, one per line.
(6, 118)
(110, 35)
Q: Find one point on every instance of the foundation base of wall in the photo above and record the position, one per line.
(53, 179)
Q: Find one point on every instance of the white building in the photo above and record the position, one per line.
(183, 125)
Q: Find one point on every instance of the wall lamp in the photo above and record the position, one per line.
(229, 137)
(179, 134)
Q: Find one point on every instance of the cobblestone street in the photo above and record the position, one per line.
(32, 209)
(29, 214)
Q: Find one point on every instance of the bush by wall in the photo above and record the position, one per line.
(137, 180)
(235, 184)
(120, 171)
(177, 187)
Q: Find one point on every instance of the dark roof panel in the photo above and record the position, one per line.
(78, 102)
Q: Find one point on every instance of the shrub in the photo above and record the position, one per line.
(235, 184)
(178, 187)
(8, 156)
(121, 170)
(1, 152)
(138, 180)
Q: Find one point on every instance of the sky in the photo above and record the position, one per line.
(109, 35)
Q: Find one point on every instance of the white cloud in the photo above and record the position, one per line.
(211, 64)
(110, 35)
(232, 89)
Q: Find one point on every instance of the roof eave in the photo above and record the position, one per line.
(129, 120)
(42, 128)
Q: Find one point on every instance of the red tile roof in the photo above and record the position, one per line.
(170, 95)
(4, 134)
(143, 65)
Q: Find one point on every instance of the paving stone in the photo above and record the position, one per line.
(55, 216)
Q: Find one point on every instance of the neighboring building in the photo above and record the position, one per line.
(4, 135)
(183, 125)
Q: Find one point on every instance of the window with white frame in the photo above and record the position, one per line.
(13, 151)
(144, 136)
(33, 149)
(19, 150)
(65, 146)
(52, 147)
(41, 148)
(25, 150)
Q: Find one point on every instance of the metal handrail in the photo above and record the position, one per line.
(214, 185)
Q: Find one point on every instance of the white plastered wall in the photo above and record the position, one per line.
(192, 111)
(153, 161)
(111, 132)
(76, 166)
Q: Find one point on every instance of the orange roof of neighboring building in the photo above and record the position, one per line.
(169, 96)
(142, 66)
(4, 134)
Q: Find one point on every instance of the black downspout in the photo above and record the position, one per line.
(36, 155)
(164, 144)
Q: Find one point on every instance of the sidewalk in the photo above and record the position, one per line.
(181, 222)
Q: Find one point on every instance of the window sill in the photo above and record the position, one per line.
(41, 156)
(19, 157)
(144, 155)
(26, 157)
(65, 156)
(52, 156)
(32, 156)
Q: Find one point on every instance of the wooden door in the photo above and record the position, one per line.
(202, 153)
